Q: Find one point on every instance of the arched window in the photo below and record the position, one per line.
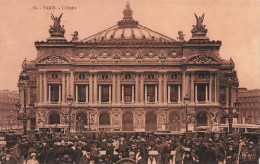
(151, 122)
(127, 121)
(174, 121)
(54, 118)
(202, 119)
(104, 119)
(81, 120)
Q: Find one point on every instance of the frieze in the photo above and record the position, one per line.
(201, 76)
(202, 59)
(93, 54)
(54, 60)
(163, 54)
(214, 117)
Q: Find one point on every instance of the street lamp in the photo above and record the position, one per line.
(89, 113)
(23, 82)
(18, 108)
(186, 101)
(69, 101)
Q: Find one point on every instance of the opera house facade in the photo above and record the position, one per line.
(127, 78)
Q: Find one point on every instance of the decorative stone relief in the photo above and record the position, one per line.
(105, 54)
(190, 116)
(93, 54)
(163, 115)
(116, 115)
(214, 117)
(163, 54)
(174, 54)
(81, 76)
(140, 54)
(116, 54)
(54, 60)
(202, 59)
(65, 116)
(139, 118)
(151, 54)
(41, 118)
(54, 76)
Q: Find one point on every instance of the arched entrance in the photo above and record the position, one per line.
(151, 122)
(202, 119)
(174, 121)
(104, 119)
(54, 118)
(81, 120)
(127, 121)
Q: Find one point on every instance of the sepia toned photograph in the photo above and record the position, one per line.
(129, 82)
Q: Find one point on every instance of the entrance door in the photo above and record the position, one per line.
(174, 122)
(151, 122)
(81, 120)
(128, 123)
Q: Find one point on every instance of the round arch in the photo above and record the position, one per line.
(202, 118)
(81, 120)
(104, 119)
(150, 122)
(174, 121)
(128, 122)
(54, 118)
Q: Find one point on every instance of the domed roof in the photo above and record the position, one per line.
(128, 30)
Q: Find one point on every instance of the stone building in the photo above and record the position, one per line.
(249, 106)
(128, 78)
(8, 112)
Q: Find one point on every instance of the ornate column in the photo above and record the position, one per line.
(196, 93)
(72, 84)
(165, 87)
(114, 88)
(145, 92)
(109, 94)
(99, 94)
(155, 96)
(210, 87)
(215, 92)
(90, 88)
(123, 93)
(160, 88)
(59, 93)
(192, 87)
(45, 86)
(142, 88)
(40, 87)
(136, 88)
(77, 93)
(133, 95)
(206, 93)
(63, 87)
(68, 86)
(86, 93)
(49, 91)
(95, 88)
(183, 85)
(179, 93)
(169, 94)
(28, 95)
(118, 88)
(187, 84)
(227, 96)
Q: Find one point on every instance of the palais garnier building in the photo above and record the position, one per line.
(127, 78)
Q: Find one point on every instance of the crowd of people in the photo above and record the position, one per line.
(140, 148)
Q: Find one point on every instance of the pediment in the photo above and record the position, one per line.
(53, 59)
(202, 59)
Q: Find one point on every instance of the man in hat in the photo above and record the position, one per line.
(100, 159)
(252, 154)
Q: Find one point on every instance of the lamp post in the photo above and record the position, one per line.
(69, 101)
(18, 108)
(89, 113)
(186, 101)
(23, 82)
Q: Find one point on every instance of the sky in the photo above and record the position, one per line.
(235, 22)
